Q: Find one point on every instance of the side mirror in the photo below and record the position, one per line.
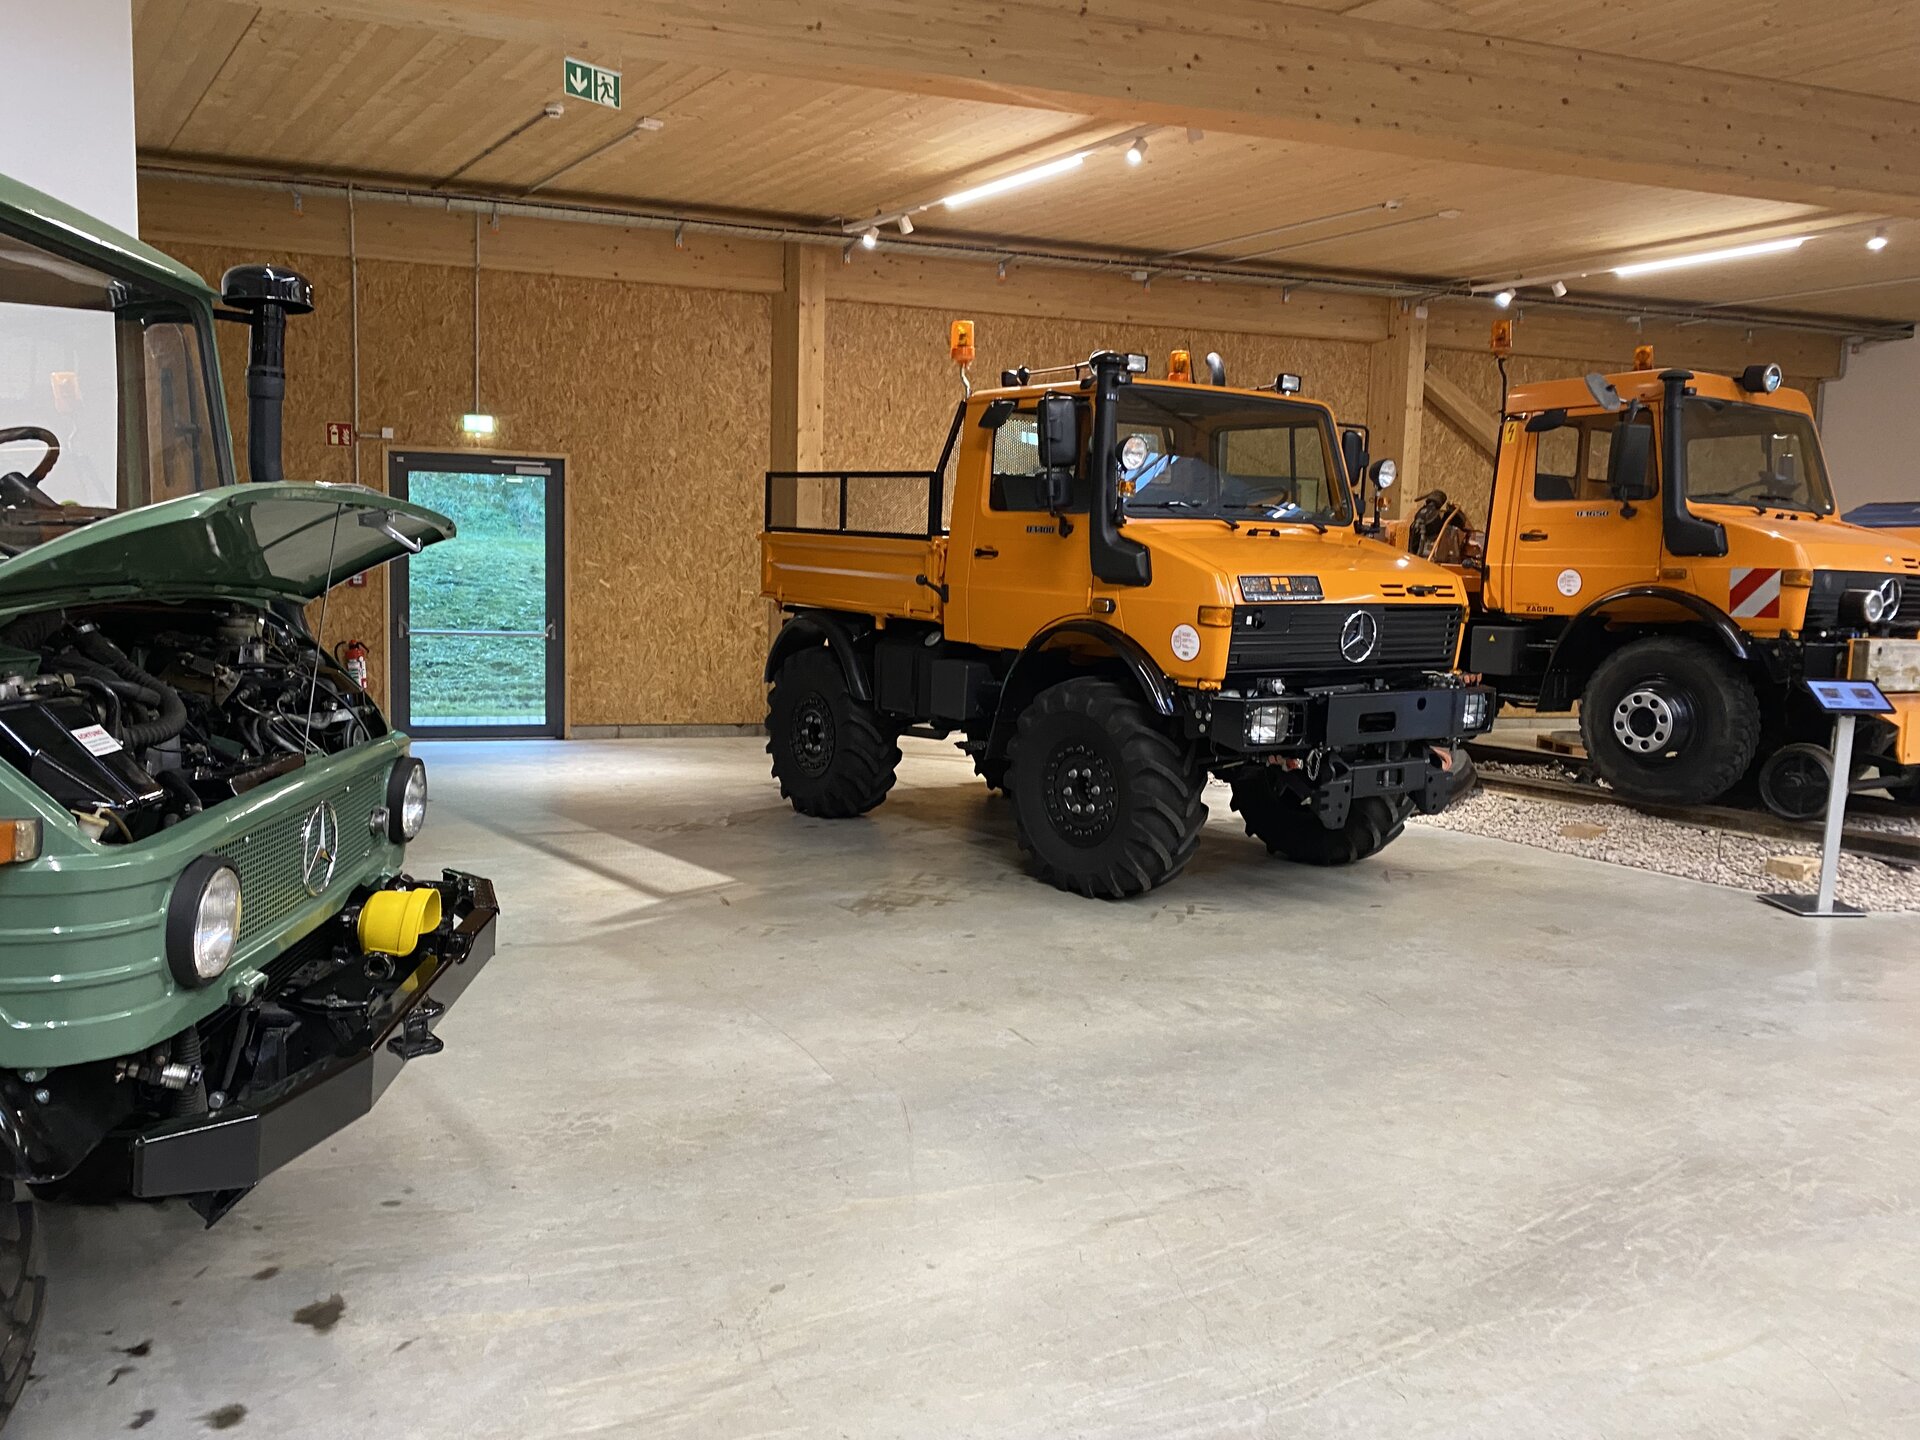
(1353, 450)
(1630, 463)
(1058, 433)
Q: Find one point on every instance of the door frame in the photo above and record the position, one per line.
(399, 461)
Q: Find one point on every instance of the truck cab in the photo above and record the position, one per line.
(1115, 585)
(1664, 547)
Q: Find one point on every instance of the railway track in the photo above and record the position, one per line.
(1890, 847)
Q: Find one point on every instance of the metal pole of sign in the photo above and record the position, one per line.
(1822, 906)
(1836, 812)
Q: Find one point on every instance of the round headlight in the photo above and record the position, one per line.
(203, 921)
(406, 800)
(1385, 473)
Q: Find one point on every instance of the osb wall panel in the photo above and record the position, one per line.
(891, 387)
(1451, 462)
(657, 396)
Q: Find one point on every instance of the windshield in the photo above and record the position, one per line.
(1187, 452)
(1752, 455)
(103, 392)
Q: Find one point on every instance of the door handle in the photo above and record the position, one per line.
(985, 552)
(1533, 534)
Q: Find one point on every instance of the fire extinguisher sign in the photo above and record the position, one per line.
(339, 432)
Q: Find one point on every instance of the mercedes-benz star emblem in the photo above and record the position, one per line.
(319, 848)
(1358, 637)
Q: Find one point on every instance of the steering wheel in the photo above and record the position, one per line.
(17, 489)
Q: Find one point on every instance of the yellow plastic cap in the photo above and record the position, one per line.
(392, 921)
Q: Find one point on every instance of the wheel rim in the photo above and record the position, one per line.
(1651, 719)
(1082, 796)
(1797, 785)
(813, 735)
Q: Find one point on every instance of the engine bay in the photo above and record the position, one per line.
(134, 717)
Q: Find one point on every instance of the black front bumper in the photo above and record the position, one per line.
(1352, 719)
(218, 1156)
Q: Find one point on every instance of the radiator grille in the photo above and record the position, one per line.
(269, 856)
(1823, 601)
(1307, 637)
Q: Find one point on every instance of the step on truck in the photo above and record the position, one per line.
(211, 955)
(1141, 582)
(1663, 549)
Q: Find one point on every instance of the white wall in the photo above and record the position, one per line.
(1870, 425)
(66, 103)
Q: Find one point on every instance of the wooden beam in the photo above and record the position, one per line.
(797, 416)
(1282, 70)
(1396, 402)
(1588, 339)
(1463, 412)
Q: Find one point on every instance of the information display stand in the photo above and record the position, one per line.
(1846, 701)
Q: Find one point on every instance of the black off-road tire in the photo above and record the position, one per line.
(1286, 824)
(23, 1290)
(1106, 803)
(1670, 720)
(831, 754)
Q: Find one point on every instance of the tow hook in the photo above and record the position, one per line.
(417, 1037)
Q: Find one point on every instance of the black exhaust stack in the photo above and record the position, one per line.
(1684, 532)
(1116, 559)
(268, 294)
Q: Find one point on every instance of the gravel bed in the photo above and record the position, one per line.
(1689, 851)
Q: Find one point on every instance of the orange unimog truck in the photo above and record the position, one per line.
(1663, 549)
(1144, 581)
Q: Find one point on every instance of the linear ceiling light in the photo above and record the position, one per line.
(1017, 180)
(1710, 257)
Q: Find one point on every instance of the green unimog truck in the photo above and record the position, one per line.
(210, 956)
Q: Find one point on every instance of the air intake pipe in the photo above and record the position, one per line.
(1685, 533)
(268, 294)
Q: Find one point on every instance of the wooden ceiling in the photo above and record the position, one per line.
(284, 90)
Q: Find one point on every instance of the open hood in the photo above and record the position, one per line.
(248, 542)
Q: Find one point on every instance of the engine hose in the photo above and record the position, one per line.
(30, 632)
(176, 784)
(193, 1099)
(173, 710)
(270, 727)
(109, 697)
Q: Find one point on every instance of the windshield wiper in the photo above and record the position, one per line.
(1305, 517)
(1182, 505)
(1761, 503)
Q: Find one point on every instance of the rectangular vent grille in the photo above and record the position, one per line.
(1307, 638)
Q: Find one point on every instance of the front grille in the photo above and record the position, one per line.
(1307, 637)
(1823, 600)
(269, 856)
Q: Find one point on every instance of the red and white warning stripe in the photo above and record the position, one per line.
(1753, 594)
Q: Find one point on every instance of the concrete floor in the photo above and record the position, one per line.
(762, 1126)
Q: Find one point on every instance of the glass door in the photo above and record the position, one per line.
(477, 620)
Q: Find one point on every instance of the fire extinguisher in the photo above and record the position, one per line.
(354, 659)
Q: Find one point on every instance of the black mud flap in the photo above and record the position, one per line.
(216, 1158)
(1443, 787)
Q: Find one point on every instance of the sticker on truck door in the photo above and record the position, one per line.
(1753, 594)
(1186, 642)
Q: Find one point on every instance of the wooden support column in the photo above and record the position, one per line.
(1397, 396)
(797, 416)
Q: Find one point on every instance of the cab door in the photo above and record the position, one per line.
(1569, 541)
(1012, 570)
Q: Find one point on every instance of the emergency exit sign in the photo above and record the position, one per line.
(589, 82)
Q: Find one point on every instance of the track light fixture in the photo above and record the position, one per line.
(870, 237)
(1503, 299)
(906, 224)
(1137, 151)
(1878, 242)
(1558, 289)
